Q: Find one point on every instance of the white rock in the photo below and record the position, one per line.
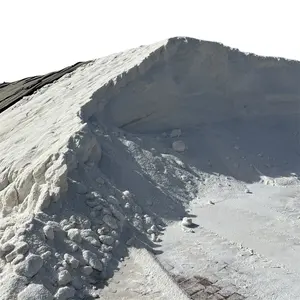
(73, 219)
(93, 241)
(113, 200)
(7, 247)
(65, 293)
(71, 246)
(11, 256)
(87, 270)
(103, 230)
(179, 146)
(64, 264)
(85, 224)
(154, 229)
(92, 260)
(69, 226)
(71, 260)
(148, 221)
(30, 266)
(35, 292)
(74, 235)
(18, 259)
(126, 195)
(55, 225)
(49, 232)
(105, 248)
(110, 221)
(88, 233)
(114, 233)
(153, 237)
(46, 255)
(64, 277)
(64, 222)
(105, 261)
(127, 206)
(187, 222)
(137, 223)
(175, 133)
(93, 195)
(22, 247)
(106, 239)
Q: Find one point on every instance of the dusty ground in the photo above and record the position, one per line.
(142, 277)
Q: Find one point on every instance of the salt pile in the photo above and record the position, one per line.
(85, 171)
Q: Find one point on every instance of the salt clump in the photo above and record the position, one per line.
(179, 146)
(49, 232)
(64, 277)
(175, 133)
(187, 222)
(35, 292)
(65, 293)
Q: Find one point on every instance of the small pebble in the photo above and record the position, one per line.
(187, 222)
(126, 194)
(49, 232)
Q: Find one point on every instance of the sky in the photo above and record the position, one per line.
(41, 36)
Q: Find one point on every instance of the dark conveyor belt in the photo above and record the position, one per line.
(12, 92)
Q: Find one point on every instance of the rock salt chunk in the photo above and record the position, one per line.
(107, 239)
(92, 260)
(30, 266)
(71, 246)
(35, 292)
(74, 235)
(45, 255)
(64, 277)
(65, 293)
(105, 248)
(7, 247)
(18, 259)
(71, 260)
(126, 195)
(187, 222)
(49, 232)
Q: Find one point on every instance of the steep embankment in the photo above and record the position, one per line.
(85, 171)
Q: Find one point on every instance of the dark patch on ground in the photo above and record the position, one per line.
(200, 288)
